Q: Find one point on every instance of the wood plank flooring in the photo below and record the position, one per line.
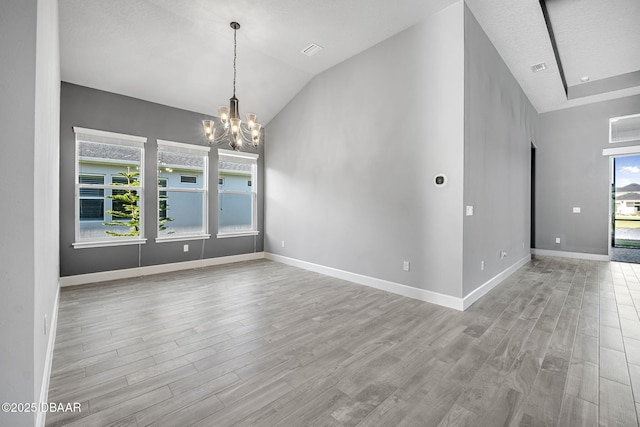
(265, 344)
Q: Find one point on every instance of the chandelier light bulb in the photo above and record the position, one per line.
(224, 113)
(235, 126)
(251, 120)
(209, 129)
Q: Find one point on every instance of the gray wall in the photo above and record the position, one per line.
(350, 161)
(572, 172)
(500, 124)
(29, 118)
(94, 109)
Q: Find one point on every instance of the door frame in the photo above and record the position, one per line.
(612, 153)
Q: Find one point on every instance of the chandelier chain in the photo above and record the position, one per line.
(234, 60)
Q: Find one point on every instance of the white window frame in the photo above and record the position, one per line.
(118, 139)
(197, 150)
(252, 159)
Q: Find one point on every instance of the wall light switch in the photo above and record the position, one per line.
(469, 210)
(283, 243)
(557, 240)
(576, 210)
(185, 248)
(405, 266)
(481, 265)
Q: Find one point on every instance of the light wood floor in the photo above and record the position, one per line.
(261, 343)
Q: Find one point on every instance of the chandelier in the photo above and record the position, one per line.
(233, 130)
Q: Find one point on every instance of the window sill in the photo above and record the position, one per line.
(106, 243)
(182, 237)
(237, 234)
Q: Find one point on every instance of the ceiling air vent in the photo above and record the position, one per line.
(536, 68)
(312, 49)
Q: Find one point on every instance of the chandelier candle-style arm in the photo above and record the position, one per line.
(233, 130)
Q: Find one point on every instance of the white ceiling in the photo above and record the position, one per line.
(595, 38)
(180, 52)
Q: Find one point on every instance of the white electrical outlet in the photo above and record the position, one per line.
(405, 266)
(576, 210)
(185, 248)
(557, 240)
(503, 255)
(481, 265)
(469, 210)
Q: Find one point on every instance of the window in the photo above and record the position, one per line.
(162, 199)
(109, 188)
(237, 197)
(182, 191)
(624, 129)
(188, 179)
(91, 199)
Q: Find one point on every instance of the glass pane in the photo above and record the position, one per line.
(181, 170)
(180, 212)
(235, 212)
(96, 230)
(107, 159)
(234, 176)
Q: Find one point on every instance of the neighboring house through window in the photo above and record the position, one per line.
(237, 193)
(109, 188)
(182, 191)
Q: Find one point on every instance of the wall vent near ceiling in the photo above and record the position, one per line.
(312, 49)
(536, 68)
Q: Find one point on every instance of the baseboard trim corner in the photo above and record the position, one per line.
(574, 255)
(493, 282)
(383, 285)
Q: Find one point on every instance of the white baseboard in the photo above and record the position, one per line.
(493, 282)
(460, 304)
(46, 375)
(384, 285)
(574, 255)
(103, 276)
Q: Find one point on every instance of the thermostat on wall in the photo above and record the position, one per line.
(440, 180)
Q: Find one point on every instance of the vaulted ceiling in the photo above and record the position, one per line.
(180, 52)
